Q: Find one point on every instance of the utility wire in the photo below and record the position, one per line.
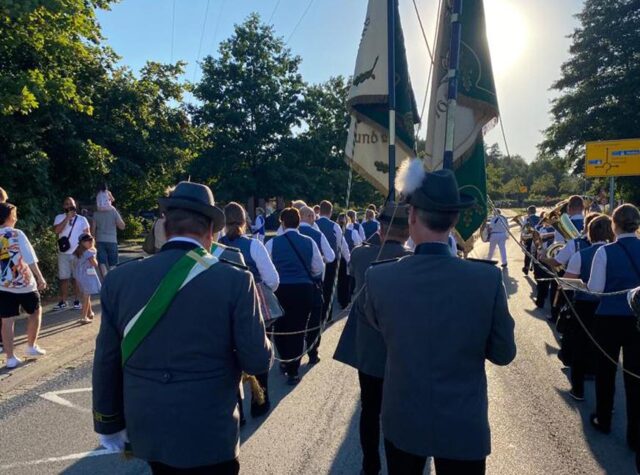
(217, 27)
(304, 13)
(204, 25)
(273, 12)
(173, 27)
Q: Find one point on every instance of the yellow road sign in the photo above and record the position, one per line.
(523, 189)
(613, 158)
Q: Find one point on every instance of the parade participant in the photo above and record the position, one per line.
(370, 225)
(435, 388)
(361, 346)
(334, 235)
(299, 264)
(616, 267)
(355, 224)
(575, 210)
(561, 259)
(546, 239)
(352, 239)
(314, 337)
(583, 352)
(69, 226)
(86, 274)
(498, 234)
(316, 211)
(190, 326)
(258, 228)
(20, 284)
(531, 222)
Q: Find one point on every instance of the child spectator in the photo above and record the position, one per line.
(104, 198)
(87, 275)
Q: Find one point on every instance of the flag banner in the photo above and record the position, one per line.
(476, 111)
(367, 147)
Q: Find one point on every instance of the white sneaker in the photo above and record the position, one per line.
(13, 362)
(35, 350)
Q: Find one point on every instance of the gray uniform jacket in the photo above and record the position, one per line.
(177, 394)
(441, 317)
(361, 345)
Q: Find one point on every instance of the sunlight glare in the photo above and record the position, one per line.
(507, 33)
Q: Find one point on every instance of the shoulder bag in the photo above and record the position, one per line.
(64, 243)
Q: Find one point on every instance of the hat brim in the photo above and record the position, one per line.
(213, 212)
(422, 201)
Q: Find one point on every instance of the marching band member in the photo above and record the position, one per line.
(573, 246)
(434, 369)
(599, 232)
(546, 239)
(258, 228)
(353, 216)
(616, 267)
(498, 229)
(532, 221)
(307, 221)
(575, 210)
(352, 239)
(370, 225)
(361, 346)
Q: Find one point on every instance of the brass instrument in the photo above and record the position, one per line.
(560, 221)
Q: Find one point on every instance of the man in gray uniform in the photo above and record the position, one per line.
(440, 318)
(361, 345)
(177, 331)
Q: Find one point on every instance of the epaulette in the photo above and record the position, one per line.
(385, 261)
(234, 264)
(482, 261)
(129, 261)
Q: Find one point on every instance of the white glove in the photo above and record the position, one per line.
(114, 442)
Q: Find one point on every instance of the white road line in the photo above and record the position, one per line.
(81, 455)
(54, 396)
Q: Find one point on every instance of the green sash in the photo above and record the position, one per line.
(192, 264)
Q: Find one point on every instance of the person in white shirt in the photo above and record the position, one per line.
(20, 283)
(69, 226)
(355, 224)
(572, 247)
(257, 228)
(575, 210)
(498, 229)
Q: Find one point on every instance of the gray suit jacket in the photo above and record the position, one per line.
(361, 345)
(177, 394)
(441, 317)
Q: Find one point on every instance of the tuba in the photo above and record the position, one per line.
(560, 221)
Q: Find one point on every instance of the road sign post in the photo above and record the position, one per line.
(612, 193)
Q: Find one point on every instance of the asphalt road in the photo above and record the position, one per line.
(537, 428)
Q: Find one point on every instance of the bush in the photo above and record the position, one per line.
(134, 227)
(46, 246)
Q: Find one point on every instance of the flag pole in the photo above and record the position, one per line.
(391, 79)
(452, 95)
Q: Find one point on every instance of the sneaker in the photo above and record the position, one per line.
(578, 396)
(61, 306)
(13, 362)
(76, 305)
(35, 350)
(315, 359)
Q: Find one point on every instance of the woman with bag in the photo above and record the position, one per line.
(299, 263)
(616, 267)
(264, 272)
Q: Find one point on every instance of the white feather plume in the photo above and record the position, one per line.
(410, 176)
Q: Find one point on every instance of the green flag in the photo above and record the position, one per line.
(477, 109)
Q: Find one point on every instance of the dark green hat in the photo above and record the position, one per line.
(395, 213)
(197, 198)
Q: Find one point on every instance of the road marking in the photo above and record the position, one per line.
(81, 455)
(54, 396)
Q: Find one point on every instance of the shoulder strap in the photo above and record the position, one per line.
(304, 264)
(72, 226)
(190, 265)
(631, 261)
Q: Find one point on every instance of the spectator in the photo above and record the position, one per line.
(104, 198)
(69, 226)
(86, 274)
(105, 229)
(20, 283)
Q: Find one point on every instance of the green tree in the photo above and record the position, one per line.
(545, 185)
(599, 85)
(250, 104)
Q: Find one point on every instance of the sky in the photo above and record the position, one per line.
(528, 41)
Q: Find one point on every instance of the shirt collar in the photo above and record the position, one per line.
(185, 239)
(433, 248)
(627, 235)
(576, 216)
(304, 224)
(290, 230)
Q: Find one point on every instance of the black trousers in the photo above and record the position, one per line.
(542, 287)
(296, 300)
(230, 467)
(313, 336)
(327, 286)
(344, 285)
(615, 333)
(404, 463)
(527, 257)
(583, 353)
(371, 402)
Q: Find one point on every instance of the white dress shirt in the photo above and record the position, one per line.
(499, 225)
(340, 240)
(355, 235)
(567, 252)
(327, 253)
(598, 278)
(575, 263)
(317, 264)
(363, 236)
(266, 269)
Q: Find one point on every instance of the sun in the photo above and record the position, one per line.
(507, 34)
